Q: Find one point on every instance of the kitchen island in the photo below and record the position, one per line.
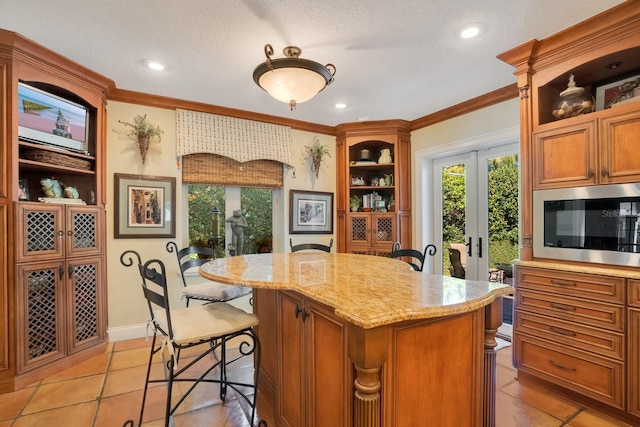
(356, 340)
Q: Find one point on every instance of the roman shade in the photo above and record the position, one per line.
(230, 151)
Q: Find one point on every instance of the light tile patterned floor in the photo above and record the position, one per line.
(107, 390)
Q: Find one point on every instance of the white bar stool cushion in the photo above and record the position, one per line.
(210, 290)
(204, 322)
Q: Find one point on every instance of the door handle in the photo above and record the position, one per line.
(479, 247)
(469, 247)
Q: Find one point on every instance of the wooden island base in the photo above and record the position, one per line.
(436, 371)
(364, 341)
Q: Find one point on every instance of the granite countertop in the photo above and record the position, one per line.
(368, 291)
(579, 268)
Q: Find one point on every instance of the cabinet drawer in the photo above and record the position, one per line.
(600, 288)
(634, 292)
(590, 313)
(591, 375)
(572, 334)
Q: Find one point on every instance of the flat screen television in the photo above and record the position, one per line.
(49, 119)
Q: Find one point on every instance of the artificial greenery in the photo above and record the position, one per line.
(316, 149)
(142, 127)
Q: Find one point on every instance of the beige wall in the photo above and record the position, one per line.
(496, 124)
(127, 309)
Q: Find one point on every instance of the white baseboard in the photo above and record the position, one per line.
(127, 332)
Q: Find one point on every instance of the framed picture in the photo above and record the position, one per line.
(144, 206)
(310, 212)
(617, 92)
(23, 190)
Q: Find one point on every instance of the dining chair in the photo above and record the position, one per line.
(413, 257)
(456, 264)
(311, 246)
(189, 260)
(207, 328)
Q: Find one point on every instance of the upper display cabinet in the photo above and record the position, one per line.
(579, 107)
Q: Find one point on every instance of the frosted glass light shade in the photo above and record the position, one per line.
(292, 80)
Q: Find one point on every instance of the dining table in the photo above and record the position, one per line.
(361, 340)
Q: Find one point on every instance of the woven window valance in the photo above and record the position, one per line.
(239, 139)
(205, 168)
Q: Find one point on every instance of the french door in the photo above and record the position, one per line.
(476, 211)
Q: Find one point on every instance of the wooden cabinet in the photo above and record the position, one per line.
(597, 148)
(580, 336)
(373, 161)
(371, 233)
(50, 231)
(619, 159)
(54, 287)
(60, 310)
(313, 370)
(633, 322)
(569, 328)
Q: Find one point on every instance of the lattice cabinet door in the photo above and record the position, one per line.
(81, 233)
(359, 229)
(85, 300)
(384, 231)
(40, 231)
(40, 313)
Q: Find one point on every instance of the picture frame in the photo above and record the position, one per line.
(310, 212)
(23, 190)
(144, 206)
(616, 92)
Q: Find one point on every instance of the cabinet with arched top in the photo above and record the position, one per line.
(53, 285)
(374, 186)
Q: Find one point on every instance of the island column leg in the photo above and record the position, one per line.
(366, 405)
(493, 320)
(368, 352)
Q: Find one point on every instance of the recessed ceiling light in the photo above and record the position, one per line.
(470, 31)
(155, 65)
(340, 105)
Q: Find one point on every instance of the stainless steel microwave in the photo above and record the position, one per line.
(598, 224)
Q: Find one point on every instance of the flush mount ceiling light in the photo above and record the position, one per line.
(155, 65)
(292, 79)
(470, 31)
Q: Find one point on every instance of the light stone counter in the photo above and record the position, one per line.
(580, 268)
(367, 291)
(384, 332)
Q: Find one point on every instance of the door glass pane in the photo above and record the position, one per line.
(453, 214)
(502, 215)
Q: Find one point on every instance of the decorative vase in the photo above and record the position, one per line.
(385, 156)
(143, 144)
(317, 158)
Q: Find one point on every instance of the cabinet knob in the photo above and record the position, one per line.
(60, 233)
(590, 173)
(605, 172)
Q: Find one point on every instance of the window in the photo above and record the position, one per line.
(255, 203)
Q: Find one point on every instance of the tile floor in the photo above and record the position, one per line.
(106, 391)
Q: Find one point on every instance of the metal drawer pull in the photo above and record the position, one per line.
(563, 332)
(562, 283)
(562, 307)
(564, 368)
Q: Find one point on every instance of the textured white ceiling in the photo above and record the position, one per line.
(394, 59)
